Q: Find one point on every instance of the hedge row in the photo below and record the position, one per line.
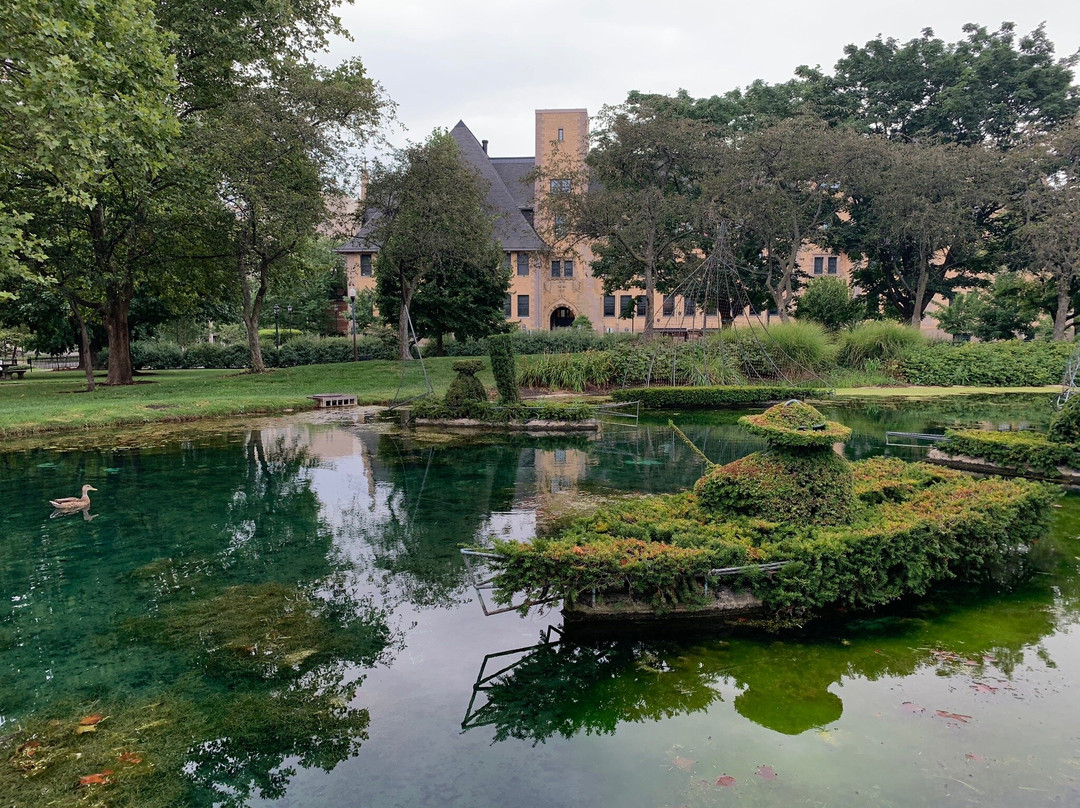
(154, 355)
(1013, 363)
(686, 398)
(563, 340)
(499, 414)
(1015, 450)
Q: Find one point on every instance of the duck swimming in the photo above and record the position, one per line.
(73, 503)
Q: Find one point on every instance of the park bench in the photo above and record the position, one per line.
(13, 371)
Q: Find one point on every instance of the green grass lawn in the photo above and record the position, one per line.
(53, 402)
(49, 401)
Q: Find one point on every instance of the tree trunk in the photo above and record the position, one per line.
(1061, 314)
(116, 326)
(650, 291)
(440, 349)
(252, 308)
(919, 304)
(85, 358)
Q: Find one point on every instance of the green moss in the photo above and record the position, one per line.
(781, 485)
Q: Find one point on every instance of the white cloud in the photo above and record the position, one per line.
(492, 63)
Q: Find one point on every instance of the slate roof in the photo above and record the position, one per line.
(507, 197)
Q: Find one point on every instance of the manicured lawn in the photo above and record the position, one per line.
(937, 392)
(50, 401)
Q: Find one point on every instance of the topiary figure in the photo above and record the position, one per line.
(1065, 425)
(465, 389)
(797, 479)
(504, 367)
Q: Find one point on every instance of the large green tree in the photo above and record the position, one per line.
(638, 198)
(427, 212)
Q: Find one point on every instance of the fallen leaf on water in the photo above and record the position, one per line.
(766, 772)
(90, 720)
(976, 758)
(100, 778)
(963, 719)
(130, 757)
(982, 688)
(29, 747)
(912, 707)
(683, 763)
(79, 730)
(826, 736)
(725, 780)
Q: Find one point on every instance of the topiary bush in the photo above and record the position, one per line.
(465, 389)
(1065, 424)
(781, 485)
(796, 425)
(503, 366)
(1016, 450)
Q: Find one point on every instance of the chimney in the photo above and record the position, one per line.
(483, 145)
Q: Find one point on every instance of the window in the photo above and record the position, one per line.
(568, 269)
(689, 308)
(365, 265)
(669, 305)
(556, 269)
(641, 308)
(507, 310)
(523, 305)
(560, 226)
(832, 264)
(626, 305)
(560, 135)
(523, 263)
(819, 264)
(609, 305)
(506, 261)
(561, 186)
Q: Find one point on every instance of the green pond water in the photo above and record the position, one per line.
(278, 614)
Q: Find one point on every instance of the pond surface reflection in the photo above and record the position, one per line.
(279, 615)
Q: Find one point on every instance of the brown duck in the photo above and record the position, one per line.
(73, 503)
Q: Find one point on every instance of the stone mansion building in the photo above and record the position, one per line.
(548, 287)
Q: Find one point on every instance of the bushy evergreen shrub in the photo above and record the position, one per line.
(504, 367)
(829, 302)
(1011, 363)
(465, 389)
(1065, 424)
(1016, 450)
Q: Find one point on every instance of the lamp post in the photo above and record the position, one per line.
(352, 316)
(288, 320)
(277, 332)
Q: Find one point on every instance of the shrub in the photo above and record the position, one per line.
(876, 340)
(574, 412)
(1011, 363)
(465, 389)
(503, 366)
(828, 301)
(935, 525)
(796, 425)
(1065, 424)
(1016, 450)
(688, 398)
(156, 355)
(781, 485)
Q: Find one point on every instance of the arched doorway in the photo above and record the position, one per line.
(562, 317)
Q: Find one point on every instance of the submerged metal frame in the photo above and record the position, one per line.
(480, 583)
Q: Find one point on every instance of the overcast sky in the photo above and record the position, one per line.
(492, 64)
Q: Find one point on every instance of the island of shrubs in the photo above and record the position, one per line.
(805, 529)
